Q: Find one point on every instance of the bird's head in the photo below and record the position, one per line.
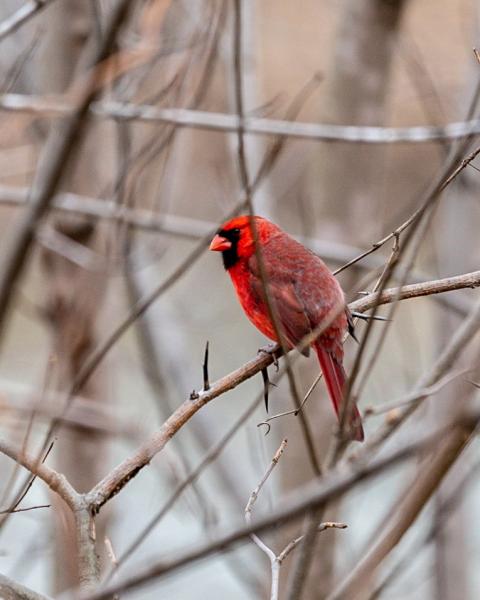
(235, 238)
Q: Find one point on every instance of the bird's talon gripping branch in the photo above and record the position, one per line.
(272, 350)
(194, 395)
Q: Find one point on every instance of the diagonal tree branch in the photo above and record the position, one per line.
(110, 485)
(12, 590)
(21, 16)
(413, 499)
(55, 481)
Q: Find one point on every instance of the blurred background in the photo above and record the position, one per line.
(138, 195)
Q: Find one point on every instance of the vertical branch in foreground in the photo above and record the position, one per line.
(410, 503)
(354, 92)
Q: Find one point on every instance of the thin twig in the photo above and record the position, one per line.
(254, 495)
(20, 510)
(275, 567)
(294, 543)
(413, 397)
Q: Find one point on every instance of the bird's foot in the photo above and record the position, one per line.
(271, 349)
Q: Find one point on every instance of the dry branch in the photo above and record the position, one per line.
(21, 16)
(11, 590)
(125, 471)
(413, 499)
(214, 121)
(450, 354)
(310, 496)
(276, 560)
(55, 481)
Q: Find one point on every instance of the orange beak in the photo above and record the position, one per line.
(219, 244)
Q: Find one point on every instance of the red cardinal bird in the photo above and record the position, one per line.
(303, 292)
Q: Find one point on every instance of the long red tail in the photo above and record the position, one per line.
(335, 377)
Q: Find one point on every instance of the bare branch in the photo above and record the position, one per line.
(450, 354)
(274, 564)
(414, 499)
(417, 290)
(268, 472)
(191, 477)
(125, 471)
(21, 16)
(310, 496)
(294, 543)
(55, 481)
(11, 590)
(213, 121)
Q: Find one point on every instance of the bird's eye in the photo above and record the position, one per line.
(236, 230)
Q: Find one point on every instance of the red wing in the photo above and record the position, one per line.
(290, 311)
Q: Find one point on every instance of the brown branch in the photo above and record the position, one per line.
(417, 290)
(126, 470)
(310, 496)
(55, 481)
(11, 590)
(84, 524)
(88, 563)
(211, 455)
(413, 500)
(450, 354)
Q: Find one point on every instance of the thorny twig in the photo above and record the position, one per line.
(206, 382)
